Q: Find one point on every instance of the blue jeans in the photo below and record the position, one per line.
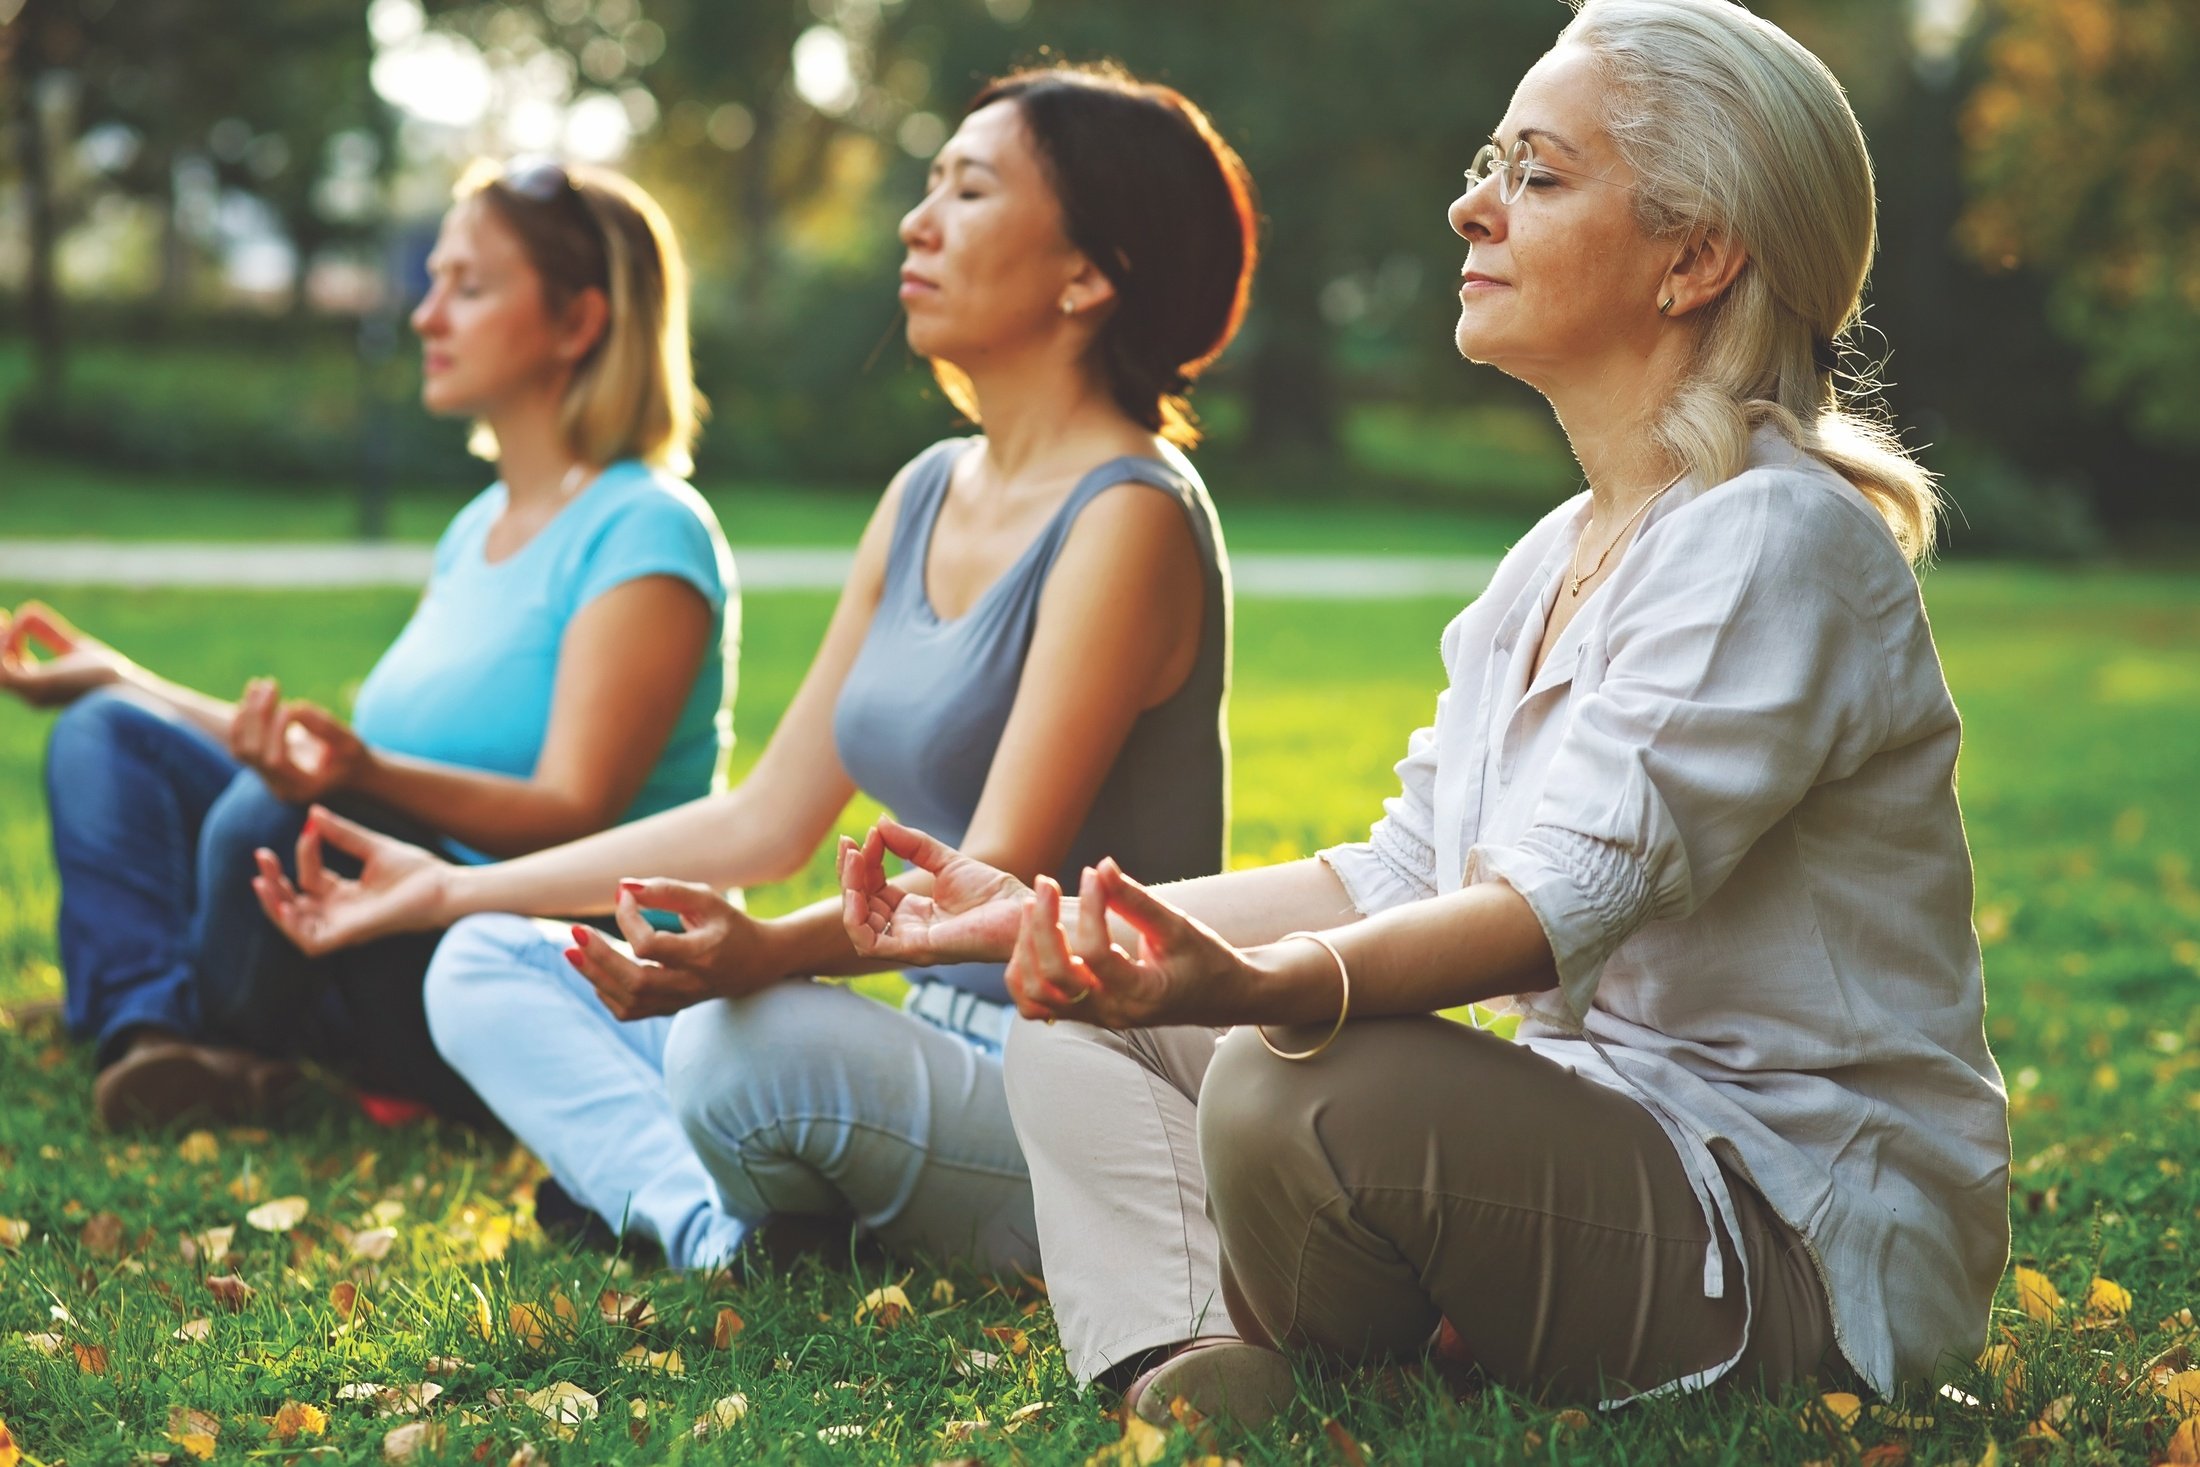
(154, 829)
(807, 1098)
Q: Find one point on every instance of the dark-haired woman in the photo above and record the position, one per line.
(568, 667)
(1032, 651)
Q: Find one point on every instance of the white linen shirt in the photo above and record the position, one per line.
(1729, 797)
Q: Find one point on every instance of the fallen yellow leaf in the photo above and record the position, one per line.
(1842, 1407)
(2184, 1443)
(2107, 1299)
(724, 1414)
(1014, 1340)
(563, 1402)
(1142, 1444)
(665, 1362)
(1991, 1457)
(729, 1325)
(885, 1307)
(373, 1244)
(296, 1419)
(199, 1146)
(2182, 1391)
(943, 1292)
(90, 1359)
(229, 1291)
(194, 1431)
(10, 1453)
(279, 1216)
(410, 1439)
(631, 1310)
(13, 1232)
(195, 1330)
(483, 1319)
(2037, 1297)
(102, 1235)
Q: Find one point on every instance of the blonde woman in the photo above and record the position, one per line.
(569, 667)
(1688, 805)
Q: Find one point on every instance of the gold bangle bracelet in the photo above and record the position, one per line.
(1344, 975)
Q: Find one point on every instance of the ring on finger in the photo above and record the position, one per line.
(1082, 995)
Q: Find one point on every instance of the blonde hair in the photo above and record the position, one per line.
(633, 395)
(1731, 125)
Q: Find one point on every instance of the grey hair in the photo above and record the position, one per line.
(1731, 125)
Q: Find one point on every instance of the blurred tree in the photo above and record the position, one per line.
(2080, 149)
(27, 47)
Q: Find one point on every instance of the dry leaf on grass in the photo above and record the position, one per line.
(1023, 1415)
(10, 1453)
(194, 1431)
(374, 1244)
(1141, 1445)
(2036, 1296)
(411, 1439)
(2107, 1299)
(14, 1232)
(562, 1402)
(969, 1362)
(2182, 1391)
(210, 1248)
(845, 1433)
(297, 1419)
(2184, 1443)
(279, 1216)
(1016, 1341)
(885, 1308)
(536, 1324)
(199, 1147)
(664, 1362)
(344, 1298)
(194, 1330)
(723, 1333)
(90, 1359)
(631, 1310)
(446, 1365)
(943, 1292)
(724, 1414)
(44, 1344)
(229, 1291)
(1349, 1452)
(1886, 1454)
(102, 1235)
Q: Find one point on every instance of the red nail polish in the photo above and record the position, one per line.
(580, 935)
(573, 956)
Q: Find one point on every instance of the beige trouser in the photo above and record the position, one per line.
(1416, 1171)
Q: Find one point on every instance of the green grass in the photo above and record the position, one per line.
(2081, 783)
(44, 498)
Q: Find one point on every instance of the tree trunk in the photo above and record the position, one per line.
(42, 295)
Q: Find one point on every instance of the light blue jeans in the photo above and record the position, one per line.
(806, 1098)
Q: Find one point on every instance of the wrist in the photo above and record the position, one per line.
(455, 893)
(1296, 982)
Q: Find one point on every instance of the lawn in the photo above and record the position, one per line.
(2081, 783)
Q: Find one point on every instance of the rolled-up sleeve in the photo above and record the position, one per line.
(1734, 682)
(1396, 864)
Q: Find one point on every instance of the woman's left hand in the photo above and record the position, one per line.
(1183, 973)
(302, 751)
(719, 952)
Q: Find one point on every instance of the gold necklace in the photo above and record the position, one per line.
(1578, 575)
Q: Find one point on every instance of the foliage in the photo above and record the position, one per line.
(2079, 782)
(2079, 150)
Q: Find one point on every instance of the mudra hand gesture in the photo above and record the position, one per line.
(400, 887)
(301, 750)
(73, 662)
(717, 953)
(969, 916)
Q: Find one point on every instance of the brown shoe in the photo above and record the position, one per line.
(1221, 1380)
(164, 1078)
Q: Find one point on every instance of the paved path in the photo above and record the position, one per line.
(59, 563)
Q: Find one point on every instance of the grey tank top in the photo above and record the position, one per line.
(923, 707)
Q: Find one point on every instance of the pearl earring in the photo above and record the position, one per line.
(1069, 307)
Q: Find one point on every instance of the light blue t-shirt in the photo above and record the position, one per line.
(469, 679)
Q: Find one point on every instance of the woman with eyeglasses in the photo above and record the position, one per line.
(1687, 808)
(1031, 651)
(569, 666)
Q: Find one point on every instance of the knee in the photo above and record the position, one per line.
(1038, 1064)
(722, 1056)
(466, 992)
(1257, 1126)
(247, 816)
(90, 734)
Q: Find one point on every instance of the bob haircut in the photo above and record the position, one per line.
(1731, 125)
(1163, 207)
(633, 395)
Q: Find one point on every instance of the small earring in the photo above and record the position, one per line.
(1665, 305)
(1069, 307)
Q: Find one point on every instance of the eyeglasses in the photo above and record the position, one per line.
(1515, 167)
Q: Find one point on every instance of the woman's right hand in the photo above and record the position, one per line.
(400, 887)
(972, 915)
(75, 663)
